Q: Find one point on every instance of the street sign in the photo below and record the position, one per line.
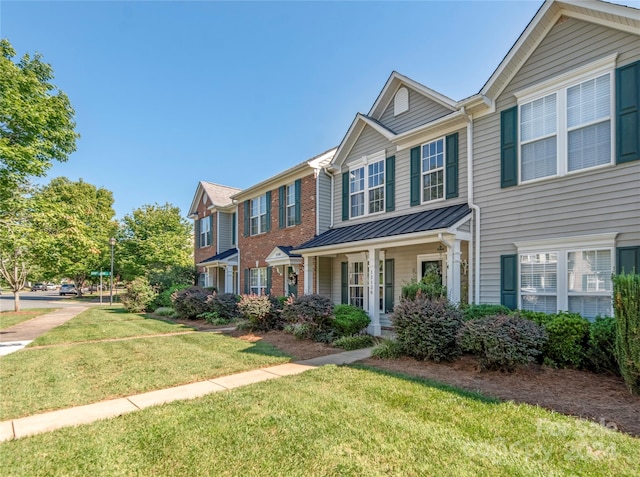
(97, 274)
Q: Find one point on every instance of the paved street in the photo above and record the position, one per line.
(40, 299)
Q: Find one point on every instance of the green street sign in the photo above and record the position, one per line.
(97, 274)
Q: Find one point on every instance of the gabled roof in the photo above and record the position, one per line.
(281, 255)
(220, 257)
(618, 17)
(427, 220)
(353, 133)
(219, 195)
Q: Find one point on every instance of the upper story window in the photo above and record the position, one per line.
(259, 215)
(366, 186)
(291, 205)
(204, 227)
(433, 170)
(567, 130)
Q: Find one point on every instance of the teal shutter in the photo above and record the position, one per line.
(509, 281)
(415, 176)
(509, 147)
(247, 218)
(197, 233)
(210, 233)
(247, 279)
(390, 184)
(298, 197)
(344, 283)
(451, 160)
(268, 200)
(269, 280)
(628, 113)
(282, 206)
(345, 196)
(389, 265)
(628, 260)
(233, 228)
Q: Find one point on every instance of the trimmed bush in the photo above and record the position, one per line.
(388, 349)
(349, 320)
(259, 311)
(190, 302)
(502, 342)
(473, 312)
(316, 310)
(224, 304)
(350, 343)
(601, 350)
(164, 298)
(426, 328)
(626, 304)
(139, 295)
(568, 335)
(214, 318)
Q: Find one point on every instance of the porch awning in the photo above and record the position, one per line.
(281, 255)
(424, 221)
(227, 257)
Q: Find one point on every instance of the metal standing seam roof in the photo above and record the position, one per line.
(424, 221)
(221, 256)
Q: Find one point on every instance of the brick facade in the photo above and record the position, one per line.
(255, 249)
(202, 253)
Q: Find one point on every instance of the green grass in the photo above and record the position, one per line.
(99, 323)
(333, 421)
(10, 318)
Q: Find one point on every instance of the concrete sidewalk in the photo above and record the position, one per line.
(49, 421)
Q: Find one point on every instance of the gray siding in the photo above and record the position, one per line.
(324, 202)
(325, 266)
(589, 202)
(224, 231)
(421, 111)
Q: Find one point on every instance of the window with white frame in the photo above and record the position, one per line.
(356, 284)
(291, 205)
(567, 127)
(433, 170)
(366, 186)
(205, 231)
(203, 279)
(568, 277)
(259, 215)
(258, 281)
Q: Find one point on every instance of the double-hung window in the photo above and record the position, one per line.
(356, 284)
(205, 232)
(366, 186)
(259, 215)
(565, 126)
(291, 205)
(433, 170)
(258, 281)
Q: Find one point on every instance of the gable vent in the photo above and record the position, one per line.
(401, 101)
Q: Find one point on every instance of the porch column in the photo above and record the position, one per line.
(308, 275)
(453, 271)
(228, 279)
(373, 285)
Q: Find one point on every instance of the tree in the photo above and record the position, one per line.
(154, 239)
(36, 119)
(72, 226)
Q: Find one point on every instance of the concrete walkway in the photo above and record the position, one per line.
(49, 421)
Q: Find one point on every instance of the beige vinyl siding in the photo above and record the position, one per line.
(421, 111)
(325, 280)
(324, 202)
(584, 203)
(224, 231)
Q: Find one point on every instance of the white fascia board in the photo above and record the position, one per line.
(296, 172)
(194, 203)
(433, 130)
(353, 134)
(322, 160)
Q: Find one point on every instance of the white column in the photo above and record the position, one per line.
(453, 271)
(308, 275)
(373, 286)
(228, 279)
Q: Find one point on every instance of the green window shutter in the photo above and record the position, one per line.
(268, 200)
(269, 280)
(210, 233)
(345, 196)
(233, 228)
(298, 197)
(509, 147)
(247, 218)
(247, 279)
(415, 176)
(389, 265)
(628, 113)
(451, 190)
(509, 281)
(344, 283)
(282, 201)
(197, 233)
(628, 260)
(390, 184)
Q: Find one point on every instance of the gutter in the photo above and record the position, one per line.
(474, 252)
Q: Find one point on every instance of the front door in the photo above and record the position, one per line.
(292, 282)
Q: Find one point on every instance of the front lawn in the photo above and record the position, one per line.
(333, 421)
(10, 318)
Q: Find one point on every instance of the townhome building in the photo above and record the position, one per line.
(215, 236)
(525, 194)
(276, 215)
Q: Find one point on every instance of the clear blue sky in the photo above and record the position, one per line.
(170, 93)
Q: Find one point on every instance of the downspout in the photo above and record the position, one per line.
(474, 252)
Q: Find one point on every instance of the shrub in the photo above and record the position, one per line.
(190, 302)
(214, 318)
(302, 331)
(536, 316)
(473, 312)
(162, 280)
(163, 299)
(502, 341)
(349, 320)
(139, 295)
(601, 350)
(258, 310)
(568, 335)
(430, 286)
(316, 310)
(164, 311)
(388, 349)
(626, 304)
(350, 343)
(426, 328)
(224, 304)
